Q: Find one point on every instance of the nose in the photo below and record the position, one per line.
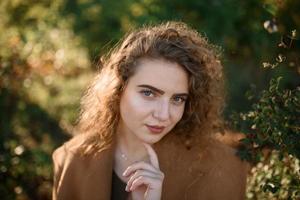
(162, 110)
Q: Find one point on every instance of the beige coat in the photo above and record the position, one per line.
(208, 171)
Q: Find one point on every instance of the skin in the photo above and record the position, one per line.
(154, 96)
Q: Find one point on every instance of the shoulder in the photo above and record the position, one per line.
(62, 158)
(73, 144)
(213, 156)
(208, 151)
(70, 147)
(206, 154)
(72, 152)
(224, 171)
(209, 165)
(73, 169)
(224, 159)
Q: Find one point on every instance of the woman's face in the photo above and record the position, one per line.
(153, 100)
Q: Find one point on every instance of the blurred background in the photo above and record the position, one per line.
(48, 54)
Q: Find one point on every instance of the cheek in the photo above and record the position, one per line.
(177, 113)
(133, 106)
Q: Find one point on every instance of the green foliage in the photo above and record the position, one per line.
(275, 177)
(38, 49)
(273, 123)
(272, 136)
(24, 166)
(274, 120)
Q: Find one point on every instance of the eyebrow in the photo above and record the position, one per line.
(161, 91)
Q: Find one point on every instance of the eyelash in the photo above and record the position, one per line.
(150, 93)
(182, 100)
(144, 92)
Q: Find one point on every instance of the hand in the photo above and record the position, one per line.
(146, 179)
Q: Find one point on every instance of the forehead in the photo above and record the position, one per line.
(162, 74)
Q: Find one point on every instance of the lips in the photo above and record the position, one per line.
(155, 129)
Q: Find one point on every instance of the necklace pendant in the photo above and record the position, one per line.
(124, 156)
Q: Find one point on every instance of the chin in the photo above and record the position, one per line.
(150, 140)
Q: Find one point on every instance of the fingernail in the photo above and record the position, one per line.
(124, 173)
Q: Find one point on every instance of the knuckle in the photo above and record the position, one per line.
(161, 174)
(138, 172)
(137, 180)
(141, 178)
(143, 163)
(131, 179)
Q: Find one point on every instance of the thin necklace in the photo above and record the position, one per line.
(123, 155)
(126, 158)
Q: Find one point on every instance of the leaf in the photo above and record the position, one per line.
(271, 8)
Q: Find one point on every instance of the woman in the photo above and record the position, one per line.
(146, 125)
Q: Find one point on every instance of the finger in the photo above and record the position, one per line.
(152, 155)
(150, 182)
(140, 165)
(139, 173)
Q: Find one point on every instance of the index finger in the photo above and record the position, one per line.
(152, 155)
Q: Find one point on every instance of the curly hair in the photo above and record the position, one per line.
(174, 42)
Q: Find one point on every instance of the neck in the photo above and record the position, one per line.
(130, 145)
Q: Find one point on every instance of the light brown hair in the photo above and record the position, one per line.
(174, 42)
